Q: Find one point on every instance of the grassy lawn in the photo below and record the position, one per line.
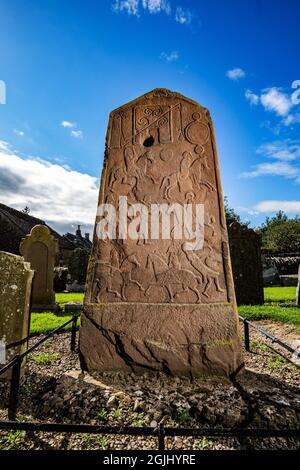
(47, 321)
(279, 306)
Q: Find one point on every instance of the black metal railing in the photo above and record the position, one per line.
(268, 335)
(161, 431)
(16, 363)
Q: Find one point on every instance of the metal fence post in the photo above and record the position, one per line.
(73, 332)
(161, 437)
(14, 389)
(246, 335)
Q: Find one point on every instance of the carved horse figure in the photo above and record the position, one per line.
(182, 178)
(210, 276)
(173, 280)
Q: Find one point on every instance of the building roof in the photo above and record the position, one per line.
(15, 225)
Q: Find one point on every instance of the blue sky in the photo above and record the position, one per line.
(67, 63)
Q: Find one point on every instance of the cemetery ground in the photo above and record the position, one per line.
(265, 396)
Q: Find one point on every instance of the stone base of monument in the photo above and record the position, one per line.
(178, 339)
(46, 308)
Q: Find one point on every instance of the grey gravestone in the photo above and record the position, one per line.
(15, 289)
(245, 250)
(151, 304)
(40, 248)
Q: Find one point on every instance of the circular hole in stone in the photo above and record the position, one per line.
(149, 141)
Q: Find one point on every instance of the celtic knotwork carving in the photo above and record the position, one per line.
(152, 112)
(142, 122)
(163, 121)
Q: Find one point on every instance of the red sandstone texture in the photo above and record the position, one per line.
(153, 304)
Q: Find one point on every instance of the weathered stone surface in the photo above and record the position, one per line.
(40, 248)
(245, 250)
(298, 289)
(15, 289)
(151, 303)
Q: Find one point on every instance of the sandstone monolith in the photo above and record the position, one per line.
(154, 303)
(15, 289)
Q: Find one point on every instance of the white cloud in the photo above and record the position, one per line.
(137, 7)
(273, 169)
(291, 119)
(171, 57)
(275, 206)
(131, 7)
(77, 134)
(157, 6)
(68, 124)
(252, 97)
(273, 99)
(287, 160)
(19, 133)
(235, 74)
(60, 196)
(183, 16)
(281, 150)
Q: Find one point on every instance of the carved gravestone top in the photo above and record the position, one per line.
(15, 289)
(166, 302)
(40, 248)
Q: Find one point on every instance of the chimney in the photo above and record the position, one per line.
(78, 232)
(87, 236)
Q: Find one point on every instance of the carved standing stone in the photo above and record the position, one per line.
(15, 289)
(40, 248)
(152, 304)
(245, 250)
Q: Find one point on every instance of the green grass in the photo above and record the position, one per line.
(63, 298)
(280, 294)
(279, 306)
(46, 358)
(44, 322)
(102, 415)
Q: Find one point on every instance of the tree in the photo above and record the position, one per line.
(279, 233)
(26, 210)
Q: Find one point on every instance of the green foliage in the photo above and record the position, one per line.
(204, 443)
(138, 420)
(12, 440)
(276, 362)
(46, 358)
(115, 413)
(279, 233)
(183, 415)
(102, 443)
(102, 415)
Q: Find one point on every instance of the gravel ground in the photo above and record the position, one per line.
(54, 390)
